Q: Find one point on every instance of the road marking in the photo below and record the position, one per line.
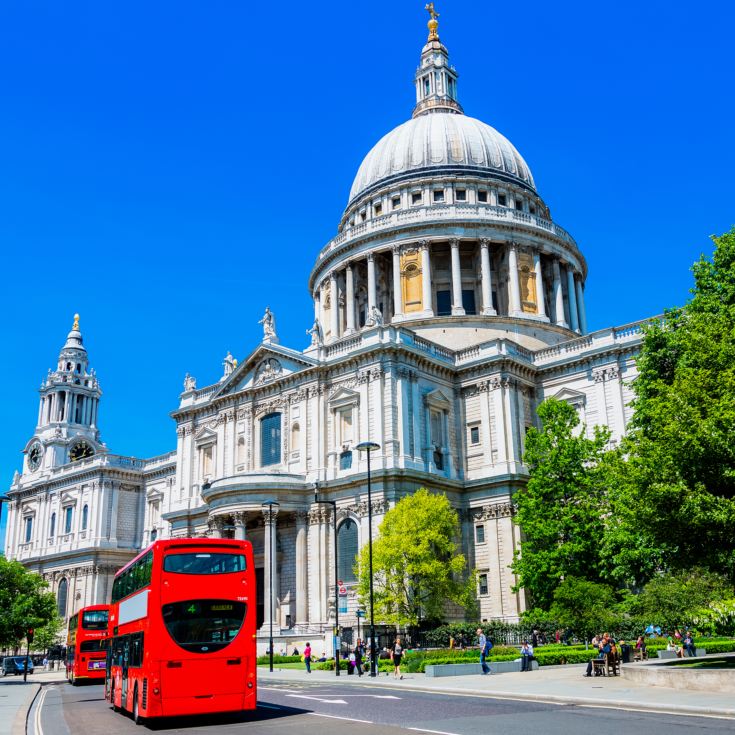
(270, 706)
(318, 699)
(643, 711)
(435, 732)
(37, 719)
(374, 696)
(277, 689)
(336, 717)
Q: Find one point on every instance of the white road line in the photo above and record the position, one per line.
(38, 730)
(435, 732)
(318, 699)
(374, 696)
(335, 717)
(657, 711)
(277, 689)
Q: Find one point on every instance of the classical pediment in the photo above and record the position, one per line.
(265, 365)
(344, 397)
(205, 435)
(438, 399)
(573, 397)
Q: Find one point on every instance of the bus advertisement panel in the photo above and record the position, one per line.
(85, 644)
(182, 630)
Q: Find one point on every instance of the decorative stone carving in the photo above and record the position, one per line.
(268, 371)
(229, 364)
(374, 317)
(491, 512)
(269, 327)
(316, 333)
(190, 383)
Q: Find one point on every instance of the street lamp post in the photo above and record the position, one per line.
(270, 506)
(370, 447)
(333, 503)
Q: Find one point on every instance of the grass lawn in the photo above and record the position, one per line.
(722, 663)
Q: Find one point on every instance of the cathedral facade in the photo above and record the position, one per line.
(446, 308)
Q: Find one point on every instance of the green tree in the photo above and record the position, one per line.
(417, 569)
(673, 600)
(24, 603)
(678, 477)
(585, 607)
(48, 635)
(560, 509)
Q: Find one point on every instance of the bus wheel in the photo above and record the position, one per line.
(137, 719)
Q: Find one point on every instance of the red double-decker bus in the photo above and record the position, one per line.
(182, 627)
(86, 644)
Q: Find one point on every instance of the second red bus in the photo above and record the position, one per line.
(85, 644)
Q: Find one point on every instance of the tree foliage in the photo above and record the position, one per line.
(417, 568)
(677, 483)
(48, 635)
(24, 603)
(584, 607)
(560, 510)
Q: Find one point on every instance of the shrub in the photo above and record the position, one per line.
(279, 659)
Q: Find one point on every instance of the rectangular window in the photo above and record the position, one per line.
(270, 439)
(532, 209)
(396, 202)
(519, 204)
(468, 301)
(502, 200)
(439, 195)
(482, 196)
(94, 620)
(474, 435)
(443, 303)
(346, 431)
(416, 197)
(461, 195)
(480, 533)
(345, 460)
(29, 528)
(483, 584)
(378, 209)
(363, 216)
(68, 514)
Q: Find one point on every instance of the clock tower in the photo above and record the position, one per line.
(67, 416)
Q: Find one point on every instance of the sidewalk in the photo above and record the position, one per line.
(559, 684)
(16, 697)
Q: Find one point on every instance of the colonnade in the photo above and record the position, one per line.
(521, 274)
(61, 406)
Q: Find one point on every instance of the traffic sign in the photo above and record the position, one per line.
(342, 591)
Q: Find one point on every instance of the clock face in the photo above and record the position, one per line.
(81, 450)
(34, 456)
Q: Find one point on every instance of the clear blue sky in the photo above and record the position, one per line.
(167, 169)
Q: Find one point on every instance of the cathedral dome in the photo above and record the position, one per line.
(441, 142)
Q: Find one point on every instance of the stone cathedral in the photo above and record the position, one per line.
(446, 307)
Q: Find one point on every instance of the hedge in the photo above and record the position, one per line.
(278, 659)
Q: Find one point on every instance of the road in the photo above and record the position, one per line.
(331, 709)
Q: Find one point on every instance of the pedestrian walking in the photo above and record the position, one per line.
(396, 654)
(307, 657)
(359, 655)
(485, 647)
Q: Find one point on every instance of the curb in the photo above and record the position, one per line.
(678, 709)
(20, 721)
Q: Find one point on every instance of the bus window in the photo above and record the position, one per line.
(204, 563)
(98, 644)
(204, 626)
(94, 619)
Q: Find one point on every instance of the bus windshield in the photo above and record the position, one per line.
(94, 619)
(204, 563)
(204, 626)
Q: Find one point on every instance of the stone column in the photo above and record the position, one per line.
(270, 567)
(372, 286)
(397, 295)
(302, 571)
(540, 303)
(334, 310)
(573, 318)
(457, 308)
(350, 300)
(317, 311)
(426, 278)
(240, 519)
(487, 283)
(580, 306)
(514, 283)
(558, 297)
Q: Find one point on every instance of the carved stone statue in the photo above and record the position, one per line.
(229, 364)
(317, 336)
(189, 383)
(269, 326)
(374, 318)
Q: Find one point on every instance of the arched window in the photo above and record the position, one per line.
(61, 597)
(295, 437)
(52, 526)
(68, 515)
(270, 439)
(346, 550)
(241, 450)
(85, 517)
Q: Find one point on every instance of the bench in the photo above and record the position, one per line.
(608, 666)
(672, 654)
(640, 655)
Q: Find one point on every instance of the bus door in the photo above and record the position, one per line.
(125, 665)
